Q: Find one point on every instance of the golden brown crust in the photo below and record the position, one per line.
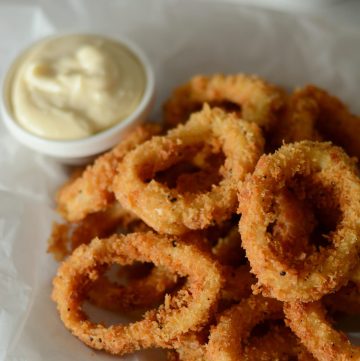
(314, 114)
(309, 322)
(65, 237)
(159, 327)
(92, 191)
(257, 100)
(322, 167)
(140, 293)
(279, 344)
(169, 211)
(192, 347)
(298, 120)
(227, 339)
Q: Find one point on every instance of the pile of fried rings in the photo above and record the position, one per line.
(234, 225)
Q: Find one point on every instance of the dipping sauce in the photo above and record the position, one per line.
(74, 86)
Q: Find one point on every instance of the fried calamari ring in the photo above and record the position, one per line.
(314, 114)
(92, 191)
(309, 322)
(330, 178)
(228, 338)
(186, 311)
(257, 100)
(168, 211)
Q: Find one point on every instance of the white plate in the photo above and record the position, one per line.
(181, 38)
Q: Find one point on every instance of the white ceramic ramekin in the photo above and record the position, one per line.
(81, 150)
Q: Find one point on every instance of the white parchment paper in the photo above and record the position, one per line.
(181, 38)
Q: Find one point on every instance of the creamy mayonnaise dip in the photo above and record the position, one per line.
(73, 86)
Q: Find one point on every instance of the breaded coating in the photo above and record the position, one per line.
(92, 191)
(228, 338)
(187, 310)
(170, 211)
(251, 97)
(314, 114)
(310, 323)
(325, 177)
